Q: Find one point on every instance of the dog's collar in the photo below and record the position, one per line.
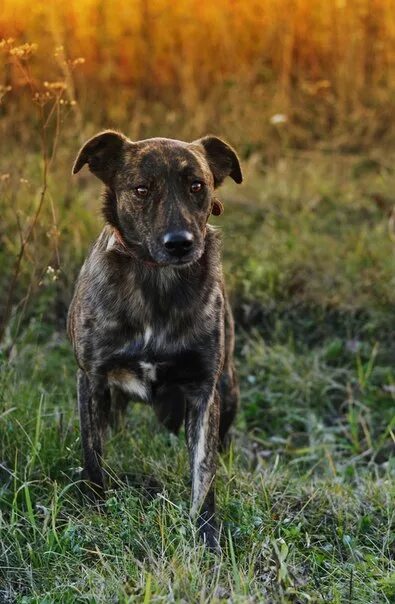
(121, 241)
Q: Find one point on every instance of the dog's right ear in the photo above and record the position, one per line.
(102, 153)
(222, 159)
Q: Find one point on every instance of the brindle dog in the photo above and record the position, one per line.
(149, 319)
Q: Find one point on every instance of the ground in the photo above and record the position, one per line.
(306, 492)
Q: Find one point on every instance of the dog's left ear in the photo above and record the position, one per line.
(221, 158)
(102, 153)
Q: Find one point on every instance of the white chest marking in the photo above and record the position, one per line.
(147, 335)
(149, 371)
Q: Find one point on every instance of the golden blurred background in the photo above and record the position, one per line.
(264, 73)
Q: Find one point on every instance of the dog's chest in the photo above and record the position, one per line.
(145, 363)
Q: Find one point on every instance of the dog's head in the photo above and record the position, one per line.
(160, 192)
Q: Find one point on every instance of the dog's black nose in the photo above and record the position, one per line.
(178, 243)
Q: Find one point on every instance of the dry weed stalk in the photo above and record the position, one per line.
(47, 98)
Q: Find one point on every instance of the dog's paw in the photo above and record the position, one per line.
(209, 534)
(93, 492)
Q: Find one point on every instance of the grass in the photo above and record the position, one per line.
(306, 492)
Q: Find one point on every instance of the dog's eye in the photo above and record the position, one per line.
(141, 191)
(196, 186)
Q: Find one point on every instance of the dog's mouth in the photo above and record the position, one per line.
(183, 262)
(161, 258)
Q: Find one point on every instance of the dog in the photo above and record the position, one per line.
(149, 319)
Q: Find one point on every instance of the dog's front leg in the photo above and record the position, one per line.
(94, 406)
(202, 425)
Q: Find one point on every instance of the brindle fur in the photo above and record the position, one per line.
(145, 326)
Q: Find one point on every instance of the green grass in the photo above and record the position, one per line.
(306, 493)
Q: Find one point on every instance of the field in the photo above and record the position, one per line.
(306, 494)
